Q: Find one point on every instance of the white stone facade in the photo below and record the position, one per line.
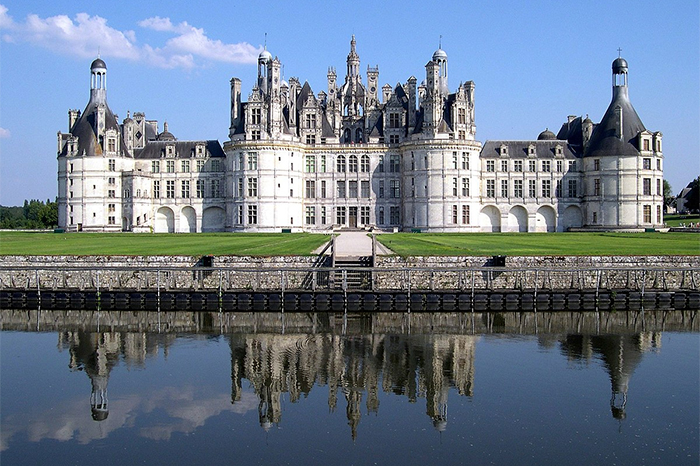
(354, 156)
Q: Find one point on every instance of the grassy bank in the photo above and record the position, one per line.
(519, 244)
(238, 244)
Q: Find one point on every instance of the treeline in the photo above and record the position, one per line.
(33, 215)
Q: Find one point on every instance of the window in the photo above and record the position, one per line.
(111, 145)
(216, 165)
(646, 144)
(646, 163)
(646, 186)
(462, 116)
(310, 121)
(311, 139)
(255, 116)
(310, 164)
(340, 216)
(455, 186)
(215, 191)
(185, 188)
(310, 215)
(572, 188)
(658, 214)
(518, 166)
(546, 166)
(572, 165)
(560, 166)
(394, 215)
(455, 162)
(658, 164)
(465, 215)
(465, 161)
(200, 166)
(504, 188)
(239, 218)
(364, 189)
(109, 181)
(252, 215)
(531, 165)
(658, 186)
(253, 161)
(596, 164)
(111, 193)
(323, 189)
(413, 187)
(112, 165)
(323, 164)
(490, 166)
(557, 189)
(364, 215)
(323, 215)
(532, 188)
(110, 207)
(200, 188)
(504, 165)
(239, 187)
(340, 164)
(310, 192)
(546, 188)
(340, 189)
(518, 188)
(380, 164)
(465, 187)
(352, 188)
(352, 164)
(393, 139)
(155, 166)
(380, 216)
(364, 164)
(647, 214)
(454, 214)
(156, 189)
(381, 188)
(490, 188)
(394, 120)
(170, 189)
(112, 220)
(394, 189)
(394, 163)
(170, 166)
(185, 166)
(596, 187)
(461, 134)
(252, 187)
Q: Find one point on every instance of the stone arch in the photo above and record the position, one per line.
(546, 219)
(490, 219)
(188, 220)
(572, 217)
(213, 219)
(165, 220)
(517, 219)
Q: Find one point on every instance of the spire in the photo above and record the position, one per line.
(353, 59)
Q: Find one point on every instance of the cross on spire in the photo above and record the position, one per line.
(619, 52)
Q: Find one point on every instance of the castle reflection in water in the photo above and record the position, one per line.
(353, 368)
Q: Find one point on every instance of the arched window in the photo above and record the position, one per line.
(358, 135)
(340, 164)
(364, 164)
(346, 136)
(352, 165)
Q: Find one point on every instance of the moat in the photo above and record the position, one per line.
(117, 387)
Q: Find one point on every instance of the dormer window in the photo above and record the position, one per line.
(531, 150)
(504, 150)
(558, 150)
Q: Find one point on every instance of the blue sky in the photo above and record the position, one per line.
(533, 63)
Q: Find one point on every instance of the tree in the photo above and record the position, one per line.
(669, 197)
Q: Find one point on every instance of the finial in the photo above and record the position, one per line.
(98, 51)
(619, 52)
(440, 43)
(266, 41)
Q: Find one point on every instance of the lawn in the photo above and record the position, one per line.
(130, 244)
(527, 244)
(677, 220)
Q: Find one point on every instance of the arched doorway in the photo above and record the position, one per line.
(188, 220)
(165, 220)
(517, 219)
(213, 219)
(546, 219)
(490, 219)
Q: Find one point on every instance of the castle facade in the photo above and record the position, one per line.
(401, 158)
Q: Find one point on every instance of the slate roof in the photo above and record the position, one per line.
(519, 149)
(183, 149)
(83, 129)
(605, 140)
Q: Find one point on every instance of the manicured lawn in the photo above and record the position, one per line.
(676, 220)
(525, 244)
(236, 244)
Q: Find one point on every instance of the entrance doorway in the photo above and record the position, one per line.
(352, 217)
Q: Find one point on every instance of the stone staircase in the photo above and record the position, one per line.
(351, 273)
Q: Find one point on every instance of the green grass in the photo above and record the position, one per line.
(547, 244)
(130, 244)
(676, 220)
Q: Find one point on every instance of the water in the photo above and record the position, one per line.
(209, 388)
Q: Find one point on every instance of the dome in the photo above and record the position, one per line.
(619, 65)
(546, 135)
(265, 56)
(98, 63)
(439, 55)
(165, 135)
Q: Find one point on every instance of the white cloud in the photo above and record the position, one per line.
(4, 133)
(87, 35)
